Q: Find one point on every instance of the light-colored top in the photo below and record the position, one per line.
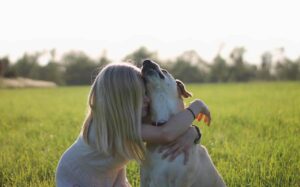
(83, 165)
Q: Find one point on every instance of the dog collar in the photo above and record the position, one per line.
(158, 123)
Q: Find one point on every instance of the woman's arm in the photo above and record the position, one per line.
(181, 145)
(176, 125)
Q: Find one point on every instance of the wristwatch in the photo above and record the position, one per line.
(197, 140)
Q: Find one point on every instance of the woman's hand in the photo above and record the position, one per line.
(181, 145)
(200, 109)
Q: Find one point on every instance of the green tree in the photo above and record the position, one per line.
(141, 54)
(28, 66)
(4, 64)
(54, 72)
(240, 70)
(264, 72)
(287, 70)
(298, 64)
(78, 68)
(218, 70)
(189, 67)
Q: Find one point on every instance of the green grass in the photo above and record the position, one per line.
(253, 139)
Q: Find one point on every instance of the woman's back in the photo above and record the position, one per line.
(113, 123)
(84, 165)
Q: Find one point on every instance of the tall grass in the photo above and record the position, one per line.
(253, 139)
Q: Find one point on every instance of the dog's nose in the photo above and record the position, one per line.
(150, 66)
(147, 62)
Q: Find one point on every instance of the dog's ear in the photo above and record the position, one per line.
(181, 89)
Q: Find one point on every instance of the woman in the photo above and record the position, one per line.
(112, 133)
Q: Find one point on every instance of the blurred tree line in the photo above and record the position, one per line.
(77, 68)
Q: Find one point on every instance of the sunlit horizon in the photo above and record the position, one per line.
(168, 28)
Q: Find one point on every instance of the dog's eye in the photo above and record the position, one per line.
(164, 71)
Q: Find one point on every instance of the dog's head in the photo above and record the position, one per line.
(163, 90)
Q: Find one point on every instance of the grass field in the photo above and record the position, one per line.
(254, 139)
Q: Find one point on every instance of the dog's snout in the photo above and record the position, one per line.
(146, 62)
(150, 67)
(149, 64)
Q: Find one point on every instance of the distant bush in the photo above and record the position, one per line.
(77, 68)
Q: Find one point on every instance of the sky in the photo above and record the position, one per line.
(168, 27)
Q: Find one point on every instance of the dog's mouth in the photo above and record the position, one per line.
(150, 69)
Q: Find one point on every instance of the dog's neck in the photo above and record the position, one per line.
(164, 106)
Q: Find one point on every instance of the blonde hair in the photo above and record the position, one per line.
(115, 109)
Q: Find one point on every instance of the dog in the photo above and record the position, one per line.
(166, 95)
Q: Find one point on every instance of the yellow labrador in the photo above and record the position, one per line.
(166, 100)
